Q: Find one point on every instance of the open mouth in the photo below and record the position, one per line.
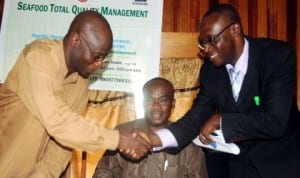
(214, 55)
(156, 114)
(211, 58)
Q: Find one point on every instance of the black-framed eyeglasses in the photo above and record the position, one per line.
(95, 58)
(212, 40)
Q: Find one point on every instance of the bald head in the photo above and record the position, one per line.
(87, 43)
(158, 82)
(158, 102)
(87, 18)
(92, 24)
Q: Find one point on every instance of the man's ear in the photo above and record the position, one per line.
(173, 103)
(74, 38)
(144, 103)
(236, 29)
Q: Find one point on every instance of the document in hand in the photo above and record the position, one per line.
(219, 144)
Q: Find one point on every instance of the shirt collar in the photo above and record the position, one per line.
(74, 76)
(242, 62)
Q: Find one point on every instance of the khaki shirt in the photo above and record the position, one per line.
(37, 104)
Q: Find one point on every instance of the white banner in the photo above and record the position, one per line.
(136, 26)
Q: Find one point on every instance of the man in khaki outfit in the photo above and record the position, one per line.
(43, 96)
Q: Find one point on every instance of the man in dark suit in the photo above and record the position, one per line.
(255, 109)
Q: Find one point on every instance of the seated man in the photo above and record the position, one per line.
(158, 103)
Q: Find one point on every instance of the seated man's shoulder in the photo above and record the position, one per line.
(138, 123)
(191, 150)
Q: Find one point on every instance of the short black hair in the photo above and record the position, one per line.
(228, 10)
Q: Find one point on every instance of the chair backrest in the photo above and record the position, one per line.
(179, 45)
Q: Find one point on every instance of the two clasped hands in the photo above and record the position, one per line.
(135, 144)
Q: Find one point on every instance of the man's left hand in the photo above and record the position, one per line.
(209, 127)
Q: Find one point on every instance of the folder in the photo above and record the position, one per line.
(219, 144)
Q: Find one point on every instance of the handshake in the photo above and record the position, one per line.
(135, 143)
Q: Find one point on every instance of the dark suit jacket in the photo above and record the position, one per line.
(267, 134)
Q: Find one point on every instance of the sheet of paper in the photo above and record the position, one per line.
(219, 144)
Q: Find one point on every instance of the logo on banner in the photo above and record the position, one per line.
(82, 0)
(140, 2)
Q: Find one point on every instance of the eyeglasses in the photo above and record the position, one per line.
(213, 39)
(95, 58)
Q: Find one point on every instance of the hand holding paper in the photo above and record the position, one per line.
(219, 144)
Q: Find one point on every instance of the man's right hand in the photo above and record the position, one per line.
(151, 138)
(132, 144)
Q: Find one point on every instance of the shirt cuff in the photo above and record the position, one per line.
(221, 127)
(167, 139)
(220, 122)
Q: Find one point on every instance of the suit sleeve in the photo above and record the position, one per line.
(188, 127)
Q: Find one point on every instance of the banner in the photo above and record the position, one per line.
(136, 26)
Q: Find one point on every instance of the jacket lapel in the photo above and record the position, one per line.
(251, 74)
(227, 86)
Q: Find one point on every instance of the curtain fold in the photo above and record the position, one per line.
(184, 75)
